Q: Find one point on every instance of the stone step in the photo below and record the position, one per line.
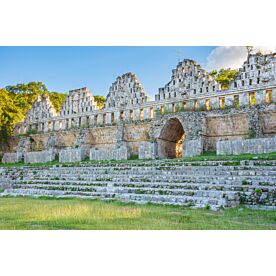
(212, 179)
(138, 198)
(216, 185)
(240, 172)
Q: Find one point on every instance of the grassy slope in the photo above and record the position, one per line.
(43, 213)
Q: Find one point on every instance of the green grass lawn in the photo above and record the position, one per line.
(46, 213)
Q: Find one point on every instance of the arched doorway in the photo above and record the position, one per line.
(171, 139)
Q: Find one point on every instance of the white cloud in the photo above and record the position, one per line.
(232, 56)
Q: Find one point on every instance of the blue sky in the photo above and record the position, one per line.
(66, 68)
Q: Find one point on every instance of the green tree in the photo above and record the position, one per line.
(15, 102)
(224, 77)
(100, 101)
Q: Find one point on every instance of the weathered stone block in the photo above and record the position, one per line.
(121, 153)
(39, 156)
(251, 146)
(148, 150)
(71, 155)
(192, 147)
(12, 157)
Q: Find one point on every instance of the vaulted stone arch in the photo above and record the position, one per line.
(170, 139)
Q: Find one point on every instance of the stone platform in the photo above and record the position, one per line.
(212, 184)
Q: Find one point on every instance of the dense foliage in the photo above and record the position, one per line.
(16, 100)
(224, 76)
(100, 101)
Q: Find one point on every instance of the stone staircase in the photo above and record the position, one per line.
(197, 184)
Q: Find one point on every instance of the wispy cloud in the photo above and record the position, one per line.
(232, 56)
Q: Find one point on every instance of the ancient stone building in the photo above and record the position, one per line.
(40, 115)
(187, 79)
(257, 70)
(126, 91)
(78, 101)
(190, 114)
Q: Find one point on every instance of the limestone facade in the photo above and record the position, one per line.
(126, 91)
(188, 79)
(191, 88)
(190, 114)
(258, 69)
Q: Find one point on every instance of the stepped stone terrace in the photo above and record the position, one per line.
(190, 114)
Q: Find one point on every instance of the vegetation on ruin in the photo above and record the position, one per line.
(224, 77)
(51, 213)
(100, 101)
(15, 102)
(17, 99)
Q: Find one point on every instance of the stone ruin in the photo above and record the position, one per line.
(191, 113)
(41, 110)
(188, 79)
(258, 69)
(126, 91)
(78, 101)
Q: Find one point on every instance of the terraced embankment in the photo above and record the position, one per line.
(213, 184)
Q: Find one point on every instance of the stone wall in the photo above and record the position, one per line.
(192, 147)
(102, 137)
(121, 153)
(268, 123)
(13, 157)
(134, 134)
(252, 146)
(39, 156)
(225, 127)
(71, 155)
(148, 150)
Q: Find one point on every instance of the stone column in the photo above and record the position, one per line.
(46, 127)
(136, 114)
(214, 102)
(100, 119)
(63, 124)
(91, 120)
(108, 118)
(117, 116)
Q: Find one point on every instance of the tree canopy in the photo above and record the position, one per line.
(224, 77)
(15, 102)
(100, 101)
